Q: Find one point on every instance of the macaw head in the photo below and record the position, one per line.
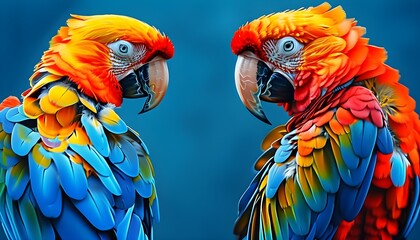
(295, 57)
(109, 57)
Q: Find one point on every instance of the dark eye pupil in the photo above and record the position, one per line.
(123, 48)
(288, 46)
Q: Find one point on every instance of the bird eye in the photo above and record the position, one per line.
(288, 46)
(122, 48)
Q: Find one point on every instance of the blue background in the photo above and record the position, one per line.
(203, 142)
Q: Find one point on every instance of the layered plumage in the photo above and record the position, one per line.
(346, 165)
(70, 166)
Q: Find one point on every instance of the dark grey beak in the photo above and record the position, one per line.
(150, 80)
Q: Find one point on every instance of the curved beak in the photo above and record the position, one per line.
(256, 81)
(150, 80)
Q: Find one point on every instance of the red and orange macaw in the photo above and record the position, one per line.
(70, 167)
(346, 165)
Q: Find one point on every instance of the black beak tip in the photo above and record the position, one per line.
(143, 111)
(261, 116)
(265, 120)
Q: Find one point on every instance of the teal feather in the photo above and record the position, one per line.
(145, 169)
(36, 228)
(325, 216)
(351, 160)
(317, 198)
(14, 218)
(96, 133)
(16, 179)
(325, 169)
(7, 225)
(23, 139)
(8, 157)
(284, 226)
(300, 220)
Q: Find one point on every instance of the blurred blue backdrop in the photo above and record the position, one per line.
(203, 142)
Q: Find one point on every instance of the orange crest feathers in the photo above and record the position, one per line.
(304, 24)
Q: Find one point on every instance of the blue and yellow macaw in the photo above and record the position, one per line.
(70, 167)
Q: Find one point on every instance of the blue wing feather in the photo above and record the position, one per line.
(128, 192)
(96, 133)
(97, 206)
(23, 139)
(364, 138)
(6, 124)
(350, 199)
(276, 176)
(124, 156)
(130, 227)
(80, 227)
(72, 176)
(414, 208)
(325, 216)
(91, 156)
(398, 168)
(16, 114)
(352, 177)
(45, 186)
(100, 165)
(384, 141)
